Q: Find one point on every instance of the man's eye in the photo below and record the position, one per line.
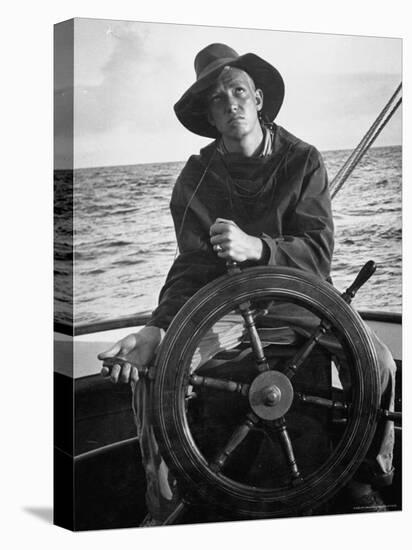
(214, 99)
(240, 90)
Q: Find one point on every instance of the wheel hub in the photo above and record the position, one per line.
(270, 395)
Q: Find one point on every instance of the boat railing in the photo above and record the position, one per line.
(141, 319)
(80, 329)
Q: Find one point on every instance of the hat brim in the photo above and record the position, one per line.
(191, 108)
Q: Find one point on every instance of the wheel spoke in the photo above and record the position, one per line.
(323, 402)
(394, 416)
(235, 440)
(255, 341)
(296, 361)
(279, 427)
(219, 384)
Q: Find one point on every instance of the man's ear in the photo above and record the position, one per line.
(259, 99)
(210, 119)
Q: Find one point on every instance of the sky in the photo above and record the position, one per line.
(128, 75)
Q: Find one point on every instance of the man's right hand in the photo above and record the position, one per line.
(135, 350)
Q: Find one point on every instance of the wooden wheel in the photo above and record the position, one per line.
(273, 402)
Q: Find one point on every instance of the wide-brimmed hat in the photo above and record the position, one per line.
(191, 108)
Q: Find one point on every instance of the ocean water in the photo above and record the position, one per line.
(125, 243)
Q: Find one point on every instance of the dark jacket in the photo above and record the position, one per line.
(288, 207)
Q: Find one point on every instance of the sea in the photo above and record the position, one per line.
(124, 241)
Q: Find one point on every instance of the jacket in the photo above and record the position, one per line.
(282, 198)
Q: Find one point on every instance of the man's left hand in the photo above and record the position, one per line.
(231, 243)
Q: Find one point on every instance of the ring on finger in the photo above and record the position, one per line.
(218, 248)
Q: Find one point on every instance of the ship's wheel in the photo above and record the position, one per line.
(266, 429)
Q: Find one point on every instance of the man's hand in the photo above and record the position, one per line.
(135, 350)
(231, 243)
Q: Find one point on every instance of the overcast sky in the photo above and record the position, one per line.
(128, 75)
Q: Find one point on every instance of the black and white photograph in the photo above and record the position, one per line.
(205, 274)
(228, 235)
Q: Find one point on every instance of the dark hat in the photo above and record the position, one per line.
(209, 62)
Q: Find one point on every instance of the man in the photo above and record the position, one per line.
(257, 196)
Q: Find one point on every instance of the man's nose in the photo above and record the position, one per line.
(232, 104)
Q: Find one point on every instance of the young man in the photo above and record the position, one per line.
(256, 195)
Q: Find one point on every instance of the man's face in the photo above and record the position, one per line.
(233, 104)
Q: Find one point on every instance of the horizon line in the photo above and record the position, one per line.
(181, 161)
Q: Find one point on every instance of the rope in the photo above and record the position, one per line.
(363, 146)
(179, 233)
(368, 133)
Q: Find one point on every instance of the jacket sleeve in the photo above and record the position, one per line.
(307, 238)
(196, 264)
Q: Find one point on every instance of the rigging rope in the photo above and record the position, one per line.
(360, 150)
(368, 133)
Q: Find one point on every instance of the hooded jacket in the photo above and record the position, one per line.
(283, 198)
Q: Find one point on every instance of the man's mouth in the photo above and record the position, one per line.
(236, 118)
